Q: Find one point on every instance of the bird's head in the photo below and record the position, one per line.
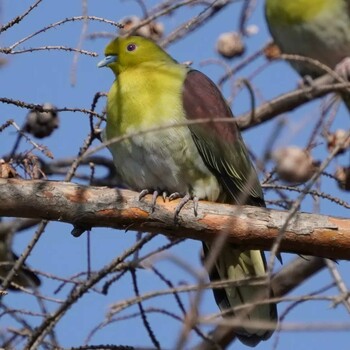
(123, 53)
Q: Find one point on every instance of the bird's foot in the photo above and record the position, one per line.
(343, 68)
(181, 204)
(184, 200)
(174, 195)
(155, 195)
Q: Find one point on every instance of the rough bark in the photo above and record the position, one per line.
(87, 207)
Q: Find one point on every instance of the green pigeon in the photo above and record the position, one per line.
(206, 161)
(318, 29)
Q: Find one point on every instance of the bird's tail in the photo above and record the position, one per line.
(237, 265)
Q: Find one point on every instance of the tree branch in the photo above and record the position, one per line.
(291, 100)
(250, 227)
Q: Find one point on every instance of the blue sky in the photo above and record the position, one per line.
(45, 76)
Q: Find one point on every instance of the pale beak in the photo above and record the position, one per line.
(107, 61)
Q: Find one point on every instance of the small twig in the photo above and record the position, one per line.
(310, 192)
(80, 42)
(40, 332)
(40, 108)
(345, 298)
(195, 22)
(48, 48)
(147, 325)
(19, 18)
(295, 207)
(40, 148)
(56, 24)
(19, 263)
(247, 10)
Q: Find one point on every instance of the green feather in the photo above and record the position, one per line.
(207, 161)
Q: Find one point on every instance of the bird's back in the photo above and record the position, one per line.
(319, 29)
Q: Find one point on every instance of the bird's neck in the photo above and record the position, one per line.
(145, 96)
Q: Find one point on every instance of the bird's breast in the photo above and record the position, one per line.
(158, 154)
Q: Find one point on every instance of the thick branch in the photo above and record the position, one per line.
(291, 100)
(86, 207)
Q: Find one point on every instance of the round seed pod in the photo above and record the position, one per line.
(42, 124)
(294, 165)
(338, 138)
(152, 30)
(230, 45)
(342, 175)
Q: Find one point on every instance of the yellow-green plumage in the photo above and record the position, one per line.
(144, 97)
(319, 29)
(134, 110)
(204, 161)
(296, 11)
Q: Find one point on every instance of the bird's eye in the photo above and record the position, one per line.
(131, 47)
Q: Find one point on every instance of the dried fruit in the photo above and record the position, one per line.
(342, 176)
(152, 30)
(42, 124)
(230, 45)
(294, 165)
(272, 51)
(6, 170)
(339, 138)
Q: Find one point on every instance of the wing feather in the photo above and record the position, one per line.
(219, 143)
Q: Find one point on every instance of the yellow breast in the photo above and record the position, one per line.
(145, 96)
